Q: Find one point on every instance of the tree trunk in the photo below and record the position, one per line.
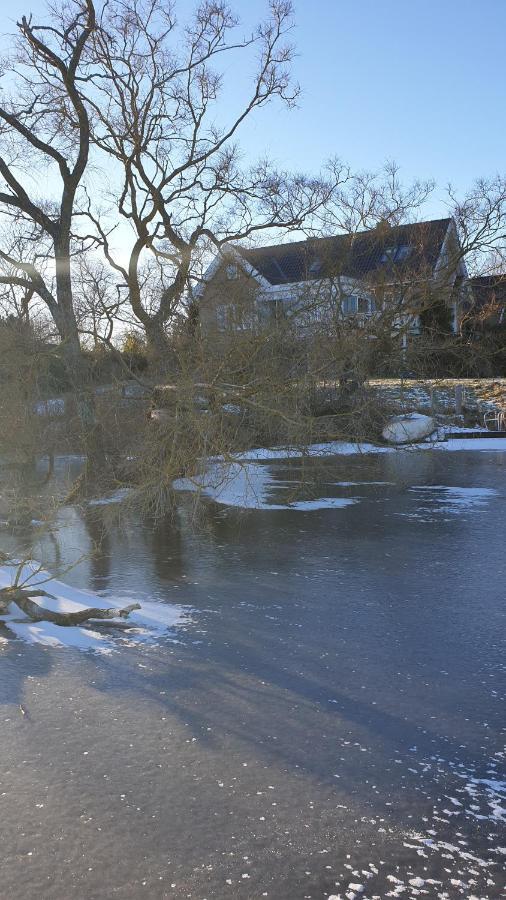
(77, 366)
(159, 350)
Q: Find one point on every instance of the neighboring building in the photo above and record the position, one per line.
(487, 310)
(413, 270)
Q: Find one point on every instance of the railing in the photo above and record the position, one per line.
(495, 417)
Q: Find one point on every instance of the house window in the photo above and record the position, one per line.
(222, 317)
(353, 305)
(349, 305)
(402, 252)
(235, 317)
(396, 254)
(232, 272)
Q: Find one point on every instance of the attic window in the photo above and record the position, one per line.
(315, 267)
(232, 272)
(402, 253)
(396, 254)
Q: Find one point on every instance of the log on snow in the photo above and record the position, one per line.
(22, 597)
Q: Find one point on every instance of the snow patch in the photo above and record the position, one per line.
(247, 486)
(440, 498)
(118, 497)
(55, 406)
(347, 448)
(147, 624)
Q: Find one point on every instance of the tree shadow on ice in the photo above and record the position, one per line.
(18, 663)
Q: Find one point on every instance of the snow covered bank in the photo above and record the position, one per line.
(332, 448)
(240, 483)
(148, 624)
(247, 485)
(470, 444)
(345, 448)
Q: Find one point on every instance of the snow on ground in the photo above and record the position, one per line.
(469, 444)
(331, 448)
(347, 448)
(147, 624)
(117, 497)
(55, 406)
(49, 635)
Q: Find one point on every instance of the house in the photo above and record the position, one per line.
(415, 272)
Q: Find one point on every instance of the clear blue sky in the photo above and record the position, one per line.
(422, 82)
(419, 81)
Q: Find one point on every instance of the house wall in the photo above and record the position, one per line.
(229, 303)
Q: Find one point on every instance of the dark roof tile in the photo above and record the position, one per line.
(365, 254)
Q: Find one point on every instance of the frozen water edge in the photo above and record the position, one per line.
(118, 496)
(246, 485)
(344, 448)
(145, 625)
(221, 483)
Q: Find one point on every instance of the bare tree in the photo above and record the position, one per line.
(480, 216)
(155, 94)
(359, 200)
(99, 302)
(45, 132)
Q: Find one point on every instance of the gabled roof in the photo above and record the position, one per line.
(401, 249)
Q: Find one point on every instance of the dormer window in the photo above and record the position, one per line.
(232, 272)
(396, 254)
(315, 267)
(402, 253)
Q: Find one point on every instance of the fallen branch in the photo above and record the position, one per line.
(22, 597)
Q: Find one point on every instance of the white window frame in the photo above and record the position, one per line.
(222, 317)
(355, 310)
(232, 271)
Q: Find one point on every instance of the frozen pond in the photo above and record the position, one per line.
(325, 717)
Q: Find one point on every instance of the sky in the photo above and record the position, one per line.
(421, 82)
